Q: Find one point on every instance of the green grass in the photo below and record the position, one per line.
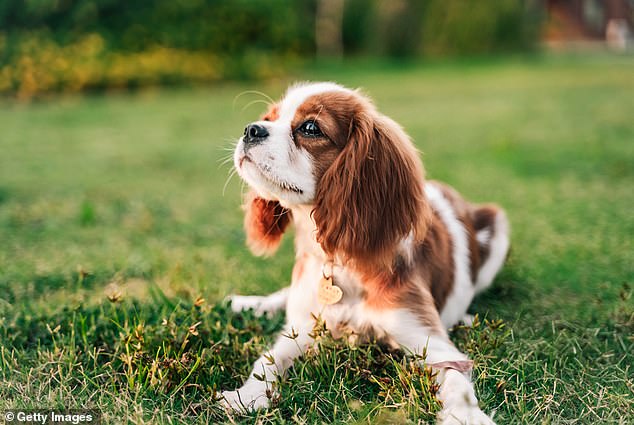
(114, 228)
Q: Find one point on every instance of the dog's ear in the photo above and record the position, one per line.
(264, 224)
(371, 197)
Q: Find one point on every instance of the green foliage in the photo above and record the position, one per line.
(77, 45)
(465, 27)
(409, 28)
(224, 27)
(69, 46)
(39, 65)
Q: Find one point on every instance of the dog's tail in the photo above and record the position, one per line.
(493, 236)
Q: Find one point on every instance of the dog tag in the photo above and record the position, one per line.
(328, 293)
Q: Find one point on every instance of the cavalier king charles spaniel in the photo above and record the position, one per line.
(380, 252)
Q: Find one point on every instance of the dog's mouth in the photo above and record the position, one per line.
(266, 171)
(243, 159)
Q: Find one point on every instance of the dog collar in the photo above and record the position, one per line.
(462, 366)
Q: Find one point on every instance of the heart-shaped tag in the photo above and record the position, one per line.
(328, 293)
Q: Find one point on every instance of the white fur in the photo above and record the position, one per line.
(277, 163)
(405, 329)
(461, 294)
(483, 236)
(499, 246)
(460, 405)
(406, 248)
(298, 93)
(260, 305)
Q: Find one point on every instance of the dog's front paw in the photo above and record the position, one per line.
(246, 302)
(244, 400)
(463, 415)
(467, 320)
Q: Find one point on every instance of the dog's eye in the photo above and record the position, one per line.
(310, 129)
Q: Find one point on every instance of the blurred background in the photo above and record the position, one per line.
(87, 45)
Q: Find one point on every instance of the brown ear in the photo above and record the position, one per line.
(264, 224)
(372, 196)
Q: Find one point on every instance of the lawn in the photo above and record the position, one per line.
(121, 233)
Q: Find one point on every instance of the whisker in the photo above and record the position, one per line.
(230, 140)
(231, 174)
(229, 150)
(242, 185)
(224, 159)
(321, 108)
(253, 102)
(265, 96)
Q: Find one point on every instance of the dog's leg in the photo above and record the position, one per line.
(257, 391)
(460, 405)
(456, 393)
(260, 304)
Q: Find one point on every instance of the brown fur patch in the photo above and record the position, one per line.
(484, 218)
(404, 288)
(472, 221)
(298, 268)
(434, 262)
(432, 266)
(272, 114)
(417, 298)
(331, 112)
(264, 224)
(383, 291)
(370, 195)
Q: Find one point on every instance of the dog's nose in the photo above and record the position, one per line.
(254, 133)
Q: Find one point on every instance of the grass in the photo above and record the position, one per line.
(119, 244)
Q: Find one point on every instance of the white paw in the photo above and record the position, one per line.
(246, 302)
(463, 415)
(467, 320)
(244, 400)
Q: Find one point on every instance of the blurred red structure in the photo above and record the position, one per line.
(588, 21)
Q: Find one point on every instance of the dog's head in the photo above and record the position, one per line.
(327, 147)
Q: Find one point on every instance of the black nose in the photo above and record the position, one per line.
(254, 133)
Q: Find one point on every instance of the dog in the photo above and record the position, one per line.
(380, 251)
